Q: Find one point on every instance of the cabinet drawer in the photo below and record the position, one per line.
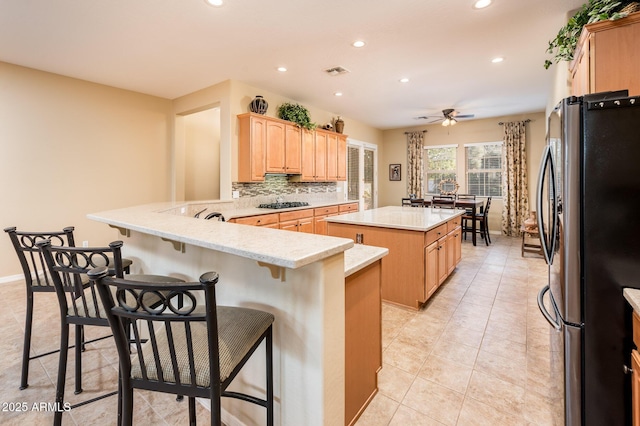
(265, 219)
(348, 208)
(320, 211)
(453, 224)
(636, 329)
(436, 233)
(296, 214)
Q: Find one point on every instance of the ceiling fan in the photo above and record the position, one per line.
(449, 117)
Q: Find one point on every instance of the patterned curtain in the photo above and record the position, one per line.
(515, 190)
(415, 175)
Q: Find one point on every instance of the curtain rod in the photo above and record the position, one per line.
(528, 120)
(423, 131)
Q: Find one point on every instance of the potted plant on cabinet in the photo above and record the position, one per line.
(565, 42)
(297, 114)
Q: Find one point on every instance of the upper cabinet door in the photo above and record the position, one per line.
(321, 157)
(332, 157)
(293, 149)
(251, 148)
(275, 146)
(342, 157)
(308, 161)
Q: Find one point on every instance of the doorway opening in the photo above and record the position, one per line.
(362, 176)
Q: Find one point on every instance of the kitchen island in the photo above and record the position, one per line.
(298, 277)
(424, 247)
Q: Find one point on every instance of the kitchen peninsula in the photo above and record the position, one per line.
(305, 280)
(424, 247)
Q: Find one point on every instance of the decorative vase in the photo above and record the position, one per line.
(339, 125)
(259, 105)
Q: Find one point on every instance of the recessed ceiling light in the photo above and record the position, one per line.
(216, 3)
(404, 80)
(358, 43)
(338, 94)
(497, 60)
(282, 69)
(481, 4)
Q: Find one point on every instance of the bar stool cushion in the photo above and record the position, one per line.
(238, 330)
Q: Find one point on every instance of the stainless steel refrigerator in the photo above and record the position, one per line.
(588, 211)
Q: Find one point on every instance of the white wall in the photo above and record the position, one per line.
(202, 155)
(70, 147)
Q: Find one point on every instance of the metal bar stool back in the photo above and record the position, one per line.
(183, 348)
(37, 280)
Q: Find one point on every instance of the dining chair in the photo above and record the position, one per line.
(483, 222)
(190, 350)
(443, 201)
(464, 197)
(79, 303)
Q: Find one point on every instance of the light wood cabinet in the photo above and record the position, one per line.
(297, 220)
(635, 371)
(431, 269)
(319, 215)
(349, 208)
(293, 149)
(607, 57)
(267, 145)
(332, 156)
(342, 158)
(275, 148)
(261, 220)
(417, 261)
(252, 135)
(635, 387)
(363, 339)
(314, 157)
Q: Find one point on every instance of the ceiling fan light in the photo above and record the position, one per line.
(446, 122)
(452, 121)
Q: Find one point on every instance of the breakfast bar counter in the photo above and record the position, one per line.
(298, 277)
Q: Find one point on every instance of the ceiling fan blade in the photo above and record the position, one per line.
(464, 116)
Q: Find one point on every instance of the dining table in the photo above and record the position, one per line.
(473, 204)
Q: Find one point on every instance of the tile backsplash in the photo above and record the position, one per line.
(252, 194)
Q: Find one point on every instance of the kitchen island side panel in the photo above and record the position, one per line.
(403, 270)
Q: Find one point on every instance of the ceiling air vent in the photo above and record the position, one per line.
(336, 70)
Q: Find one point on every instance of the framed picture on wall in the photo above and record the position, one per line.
(395, 172)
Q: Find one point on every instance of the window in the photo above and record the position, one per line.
(440, 164)
(484, 169)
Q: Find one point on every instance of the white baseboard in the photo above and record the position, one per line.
(11, 278)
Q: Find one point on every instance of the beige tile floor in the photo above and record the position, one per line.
(477, 354)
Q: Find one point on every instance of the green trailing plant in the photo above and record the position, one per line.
(563, 46)
(297, 114)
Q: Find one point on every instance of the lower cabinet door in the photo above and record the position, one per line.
(635, 387)
(431, 269)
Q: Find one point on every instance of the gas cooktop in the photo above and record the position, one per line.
(286, 205)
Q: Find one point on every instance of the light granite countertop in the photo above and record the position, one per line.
(360, 256)
(253, 242)
(633, 297)
(410, 218)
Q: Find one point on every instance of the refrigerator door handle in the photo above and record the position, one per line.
(546, 158)
(555, 324)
